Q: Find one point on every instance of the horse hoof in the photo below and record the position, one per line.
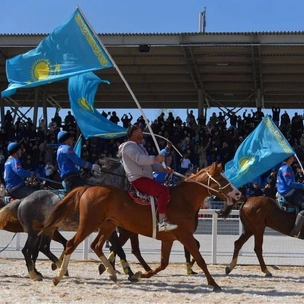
(146, 275)
(55, 281)
(189, 272)
(217, 288)
(135, 277)
(113, 278)
(268, 275)
(227, 270)
(67, 274)
(53, 266)
(101, 269)
(38, 279)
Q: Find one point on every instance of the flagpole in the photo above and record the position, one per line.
(124, 80)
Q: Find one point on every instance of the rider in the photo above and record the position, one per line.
(14, 174)
(68, 161)
(290, 190)
(139, 170)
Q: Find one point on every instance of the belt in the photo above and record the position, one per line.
(15, 187)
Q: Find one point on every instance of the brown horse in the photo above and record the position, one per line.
(103, 208)
(256, 214)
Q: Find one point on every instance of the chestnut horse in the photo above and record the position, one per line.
(256, 214)
(103, 208)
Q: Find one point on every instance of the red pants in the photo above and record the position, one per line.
(152, 187)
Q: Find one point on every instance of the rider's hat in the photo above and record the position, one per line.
(63, 136)
(13, 147)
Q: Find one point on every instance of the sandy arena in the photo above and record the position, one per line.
(246, 284)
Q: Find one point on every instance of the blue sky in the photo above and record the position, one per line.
(154, 16)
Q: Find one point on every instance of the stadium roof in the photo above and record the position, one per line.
(184, 70)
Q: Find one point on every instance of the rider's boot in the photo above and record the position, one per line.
(296, 230)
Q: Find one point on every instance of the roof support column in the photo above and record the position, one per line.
(201, 98)
(36, 101)
(2, 114)
(44, 109)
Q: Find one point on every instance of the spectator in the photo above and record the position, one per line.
(276, 115)
(126, 121)
(114, 118)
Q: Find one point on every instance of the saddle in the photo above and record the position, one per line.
(285, 205)
(139, 197)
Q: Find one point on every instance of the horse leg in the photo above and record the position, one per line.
(30, 250)
(44, 247)
(188, 240)
(120, 252)
(136, 251)
(105, 232)
(84, 230)
(238, 244)
(59, 238)
(190, 263)
(165, 254)
(258, 249)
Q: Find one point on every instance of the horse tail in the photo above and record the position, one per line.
(226, 210)
(64, 208)
(9, 213)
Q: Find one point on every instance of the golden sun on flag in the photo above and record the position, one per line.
(84, 104)
(40, 69)
(245, 162)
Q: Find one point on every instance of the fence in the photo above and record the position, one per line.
(215, 235)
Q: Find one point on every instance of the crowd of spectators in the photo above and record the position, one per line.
(199, 141)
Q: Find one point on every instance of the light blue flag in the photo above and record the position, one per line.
(82, 90)
(262, 150)
(70, 49)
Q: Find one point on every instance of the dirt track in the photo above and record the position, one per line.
(246, 284)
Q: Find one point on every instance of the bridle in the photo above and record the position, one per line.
(210, 178)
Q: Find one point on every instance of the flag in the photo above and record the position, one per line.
(82, 89)
(262, 150)
(70, 49)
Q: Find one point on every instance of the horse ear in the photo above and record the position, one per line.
(219, 166)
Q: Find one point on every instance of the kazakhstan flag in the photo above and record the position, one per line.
(70, 49)
(82, 90)
(262, 150)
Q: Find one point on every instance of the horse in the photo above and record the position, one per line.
(256, 214)
(103, 208)
(113, 173)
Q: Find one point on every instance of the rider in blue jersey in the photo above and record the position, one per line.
(15, 175)
(68, 162)
(293, 193)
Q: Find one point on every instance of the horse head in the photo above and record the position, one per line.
(217, 184)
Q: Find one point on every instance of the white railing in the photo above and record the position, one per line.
(216, 236)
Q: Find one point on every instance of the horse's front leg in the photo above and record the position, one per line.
(188, 240)
(165, 254)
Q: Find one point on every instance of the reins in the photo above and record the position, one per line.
(220, 190)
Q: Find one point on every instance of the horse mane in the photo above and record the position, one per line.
(212, 170)
(109, 163)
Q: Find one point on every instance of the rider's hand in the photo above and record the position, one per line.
(96, 167)
(160, 158)
(169, 170)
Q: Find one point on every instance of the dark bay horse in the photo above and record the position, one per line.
(256, 214)
(103, 208)
(12, 221)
